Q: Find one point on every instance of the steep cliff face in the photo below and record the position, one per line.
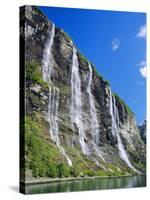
(71, 108)
(142, 130)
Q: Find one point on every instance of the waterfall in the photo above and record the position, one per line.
(94, 126)
(115, 132)
(93, 116)
(53, 112)
(53, 94)
(76, 102)
(52, 118)
(47, 56)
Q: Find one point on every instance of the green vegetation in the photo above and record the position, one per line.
(45, 160)
(33, 73)
(75, 172)
(127, 108)
(63, 170)
(84, 167)
(42, 157)
(107, 83)
(140, 166)
(82, 58)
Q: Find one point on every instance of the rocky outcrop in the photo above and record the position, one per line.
(105, 156)
(142, 130)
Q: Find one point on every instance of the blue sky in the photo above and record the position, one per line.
(116, 43)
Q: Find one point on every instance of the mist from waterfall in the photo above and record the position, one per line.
(76, 101)
(115, 130)
(53, 94)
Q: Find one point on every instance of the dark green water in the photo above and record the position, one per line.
(83, 185)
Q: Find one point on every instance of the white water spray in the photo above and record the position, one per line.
(115, 132)
(76, 102)
(53, 95)
(47, 56)
(93, 117)
(53, 118)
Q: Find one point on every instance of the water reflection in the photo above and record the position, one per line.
(92, 184)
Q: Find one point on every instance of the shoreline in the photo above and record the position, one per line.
(57, 180)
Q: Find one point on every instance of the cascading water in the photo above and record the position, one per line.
(115, 132)
(52, 118)
(47, 56)
(53, 95)
(53, 112)
(93, 117)
(76, 106)
(76, 102)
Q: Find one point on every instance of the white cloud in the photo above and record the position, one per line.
(142, 32)
(115, 44)
(142, 69)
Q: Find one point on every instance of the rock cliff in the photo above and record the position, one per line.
(142, 129)
(72, 118)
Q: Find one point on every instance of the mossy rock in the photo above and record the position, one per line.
(33, 74)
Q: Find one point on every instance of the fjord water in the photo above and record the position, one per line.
(91, 184)
(53, 94)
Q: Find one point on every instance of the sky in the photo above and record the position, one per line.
(115, 42)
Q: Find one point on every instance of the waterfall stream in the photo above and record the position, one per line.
(115, 131)
(52, 118)
(93, 117)
(53, 94)
(76, 101)
(76, 112)
(47, 56)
